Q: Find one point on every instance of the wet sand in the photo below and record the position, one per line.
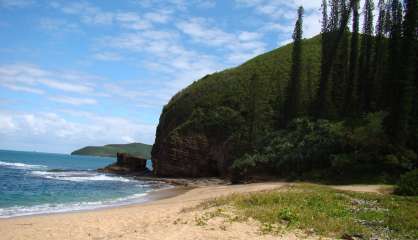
(172, 214)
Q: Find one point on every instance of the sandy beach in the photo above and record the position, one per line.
(174, 217)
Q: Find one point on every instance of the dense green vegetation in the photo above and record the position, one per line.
(408, 185)
(338, 151)
(135, 149)
(339, 105)
(326, 212)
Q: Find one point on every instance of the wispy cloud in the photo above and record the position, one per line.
(19, 88)
(240, 46)
(93, 15)
(283, 14)
(107, 56)
(16, 3)
(30, 78)
(52, 131)
(163, 50)
(73, 101)
(58, 25)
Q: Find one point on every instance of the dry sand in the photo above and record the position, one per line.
(161, 219)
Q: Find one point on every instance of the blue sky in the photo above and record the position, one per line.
(77, 73)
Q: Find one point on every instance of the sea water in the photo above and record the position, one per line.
(39, 183)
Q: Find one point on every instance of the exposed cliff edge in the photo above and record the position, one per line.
(110, 150)
(204, 127)
(127, 164)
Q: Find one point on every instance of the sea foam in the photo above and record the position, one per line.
(21, 165)
(79, 176)
(18, 211)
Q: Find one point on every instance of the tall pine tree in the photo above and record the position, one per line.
(340, 67)
(321, 106)
(292, 101)
(392, 83)
(321, 101)
(407, 69)
(379, 62)
(353, 65)
(365, 79)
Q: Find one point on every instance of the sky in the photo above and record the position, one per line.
(77, 73)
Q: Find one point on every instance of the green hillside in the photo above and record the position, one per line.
(229, 123)
(215, 110)
(110, 150)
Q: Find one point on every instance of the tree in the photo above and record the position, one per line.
(292, 101)
(407, 69)
(322, 101)
(340, 67)
(353, 66)
(252, 111)
(365, 80)
(379, 62)
(309, 88)
(392, 83)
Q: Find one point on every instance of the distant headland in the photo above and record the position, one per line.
(110, 150)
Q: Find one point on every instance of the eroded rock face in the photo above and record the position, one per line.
(126, 164)
(193, 155)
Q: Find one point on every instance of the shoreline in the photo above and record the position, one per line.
(173, 214)
(156, 219)
(153, 195)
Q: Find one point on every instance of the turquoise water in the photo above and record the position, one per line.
(38, 183)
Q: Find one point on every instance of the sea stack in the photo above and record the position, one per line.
(127, 164)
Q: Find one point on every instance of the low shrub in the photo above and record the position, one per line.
(408, 185)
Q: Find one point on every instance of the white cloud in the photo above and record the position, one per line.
(7, 124)
(283, 13)
(60, 25)
(90, 14)
(19, 88)
(73, 100)
(285, 42)
(16, 3)
(107, 56)
(53, 132)
(240, 46)
(181, 5)
(30, 78)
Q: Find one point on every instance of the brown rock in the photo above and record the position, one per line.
(193, 155)
(126, 164)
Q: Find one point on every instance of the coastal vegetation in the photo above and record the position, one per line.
(341, 106)
(321, 210)
(110, 150)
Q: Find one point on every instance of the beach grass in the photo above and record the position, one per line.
(324, 211)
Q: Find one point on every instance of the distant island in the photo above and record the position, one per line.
(110, 150)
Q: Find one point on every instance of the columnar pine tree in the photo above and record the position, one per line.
(365, 80)
(379, 62)
(252, 111)
(353, 66)
(292, 101)
(309, 88)
(392, 83)
(407, 69)
(340, 67)
(321, 99)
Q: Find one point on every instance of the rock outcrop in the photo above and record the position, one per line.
(188, 156)
(127, 164)
(207, 126)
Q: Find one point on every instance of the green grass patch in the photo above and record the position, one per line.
(329, 212)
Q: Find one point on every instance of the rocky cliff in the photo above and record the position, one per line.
(206, 126)
(127, 164)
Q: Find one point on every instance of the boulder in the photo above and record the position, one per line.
(126, 164)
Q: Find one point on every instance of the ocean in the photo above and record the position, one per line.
(40, 183)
